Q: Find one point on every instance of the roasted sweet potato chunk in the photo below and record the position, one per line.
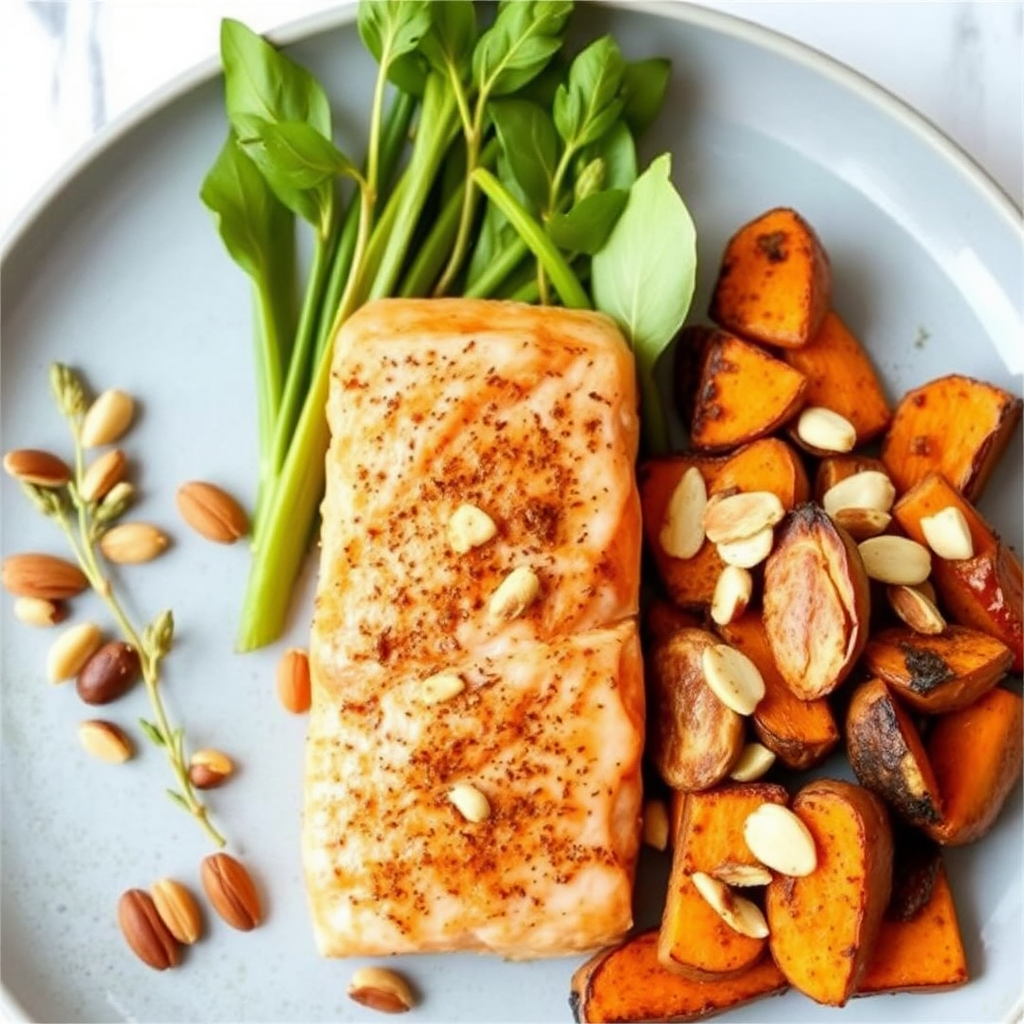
(888, 757)
(985, 591)
(956, 426)
(627, 985)
(816, 602)
(662, 618)
(823, 926)
(770, 464)
(694, 737)
(775, 282)
(834, 468)
(937, 673)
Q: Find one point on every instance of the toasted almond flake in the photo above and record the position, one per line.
(107, 418)
(915, 609)
(682, 528)
(861, 523)
(742, 875)
(441, 687)
(892, 559)
(825, 431)
(736, 911)
(655, 824)
(948, 534)
(470, 527)
(754, 760)
(870, 488)
(470, 802)
(751, 551)
(733, 677)
(733, 590)
(736, 517)
(514, 595)
(780, 840)
(101, 476)
(71, 650)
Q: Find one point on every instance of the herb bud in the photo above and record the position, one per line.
(591, 179)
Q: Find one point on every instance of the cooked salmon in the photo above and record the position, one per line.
(508, 662)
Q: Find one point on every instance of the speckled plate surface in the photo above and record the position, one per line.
(117, 269)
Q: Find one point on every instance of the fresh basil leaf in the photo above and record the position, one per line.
(590, 102)
(393, 30)
(586, 227)
(645, 84)
(450, 42)
(618, 151)
(530, 146)
(296, 154)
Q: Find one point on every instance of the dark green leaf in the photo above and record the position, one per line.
(518, 46)
(392, 30)
(645, 85)
(294, 153)
(450, 41)
(530, 147)
(587, 225)
(589, 104)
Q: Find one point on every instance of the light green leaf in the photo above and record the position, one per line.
(585, 228)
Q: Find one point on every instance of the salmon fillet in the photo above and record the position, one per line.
(529, 415)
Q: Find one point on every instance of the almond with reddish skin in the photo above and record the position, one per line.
(230, 890)
(208, 769)
(45, 576)
(145, 932)
(109, 674)
(293, 683)
(38, 611)
(32, 466)
(212, 512)
(178, 910)
(101, 476)
(381, 989)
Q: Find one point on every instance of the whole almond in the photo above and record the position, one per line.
(892, 559)
(780, 840)
(735, 517)
(71, 650)
(212, 512)
(231, 892)
(739, 913)
(145, 932)
(107, 418)
(109, 673)
(105, 741)
(682, 528)
(178, 910)
(208, 769)
(293, 683)
(101, 476)
(381, 989)
(823, 430)
(32, 466)
(733, 677)
(45, 576)
(133, 543)
(915, 609)
(39, 611)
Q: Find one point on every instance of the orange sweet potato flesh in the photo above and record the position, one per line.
(938, 673)
(976, 754)
(742, 393)
(841, 377)
(824, 926)
(800, 733)
(985, 591)
(834, 468)
(954, 425)
(627, 985)
(694, 940)
(774, 284)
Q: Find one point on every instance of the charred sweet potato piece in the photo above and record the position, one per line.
(985, 591)
(627, 985)
(841, 377)
(976, 755)
(816, 602)
(834, 468)
(888, 757)
(694, 940)
(775, 282)
(824, 926)
(956, 426)
(800, 733)
(694, 737)
(941, 672)
(742, 393)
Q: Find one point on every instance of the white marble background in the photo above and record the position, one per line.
(67, 68)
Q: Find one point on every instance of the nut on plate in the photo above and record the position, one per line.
(293, 682)
(105, 741)
(381, 989)
(208, 768)
(39, 611)
(133, 543)
(178, 910)
(145, 932)
(230, 889)
(32, 466)
(72, 649)
(107, 418)
(109, 673)
(211, 512)
(103, 474)
(44, 576)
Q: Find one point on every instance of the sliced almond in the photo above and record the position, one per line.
(915, 609)
(514, 595)
(441, 687)
(870, 488)
(742, 875)
(736, 911)
(736, 517)
(470, 802)
(655, 824)
(733, 590)
(133, 543)
(682, 528)
(751, 551)
(32, 466)
(470, 527)
(733, 677)
(892, 559)
(71, 650)
(948, 534)
(39, 611)
(754, 760)
(825, 431)
(105, 741)
(780, 840)
(107, 418)
(861, 523)
(101, 476)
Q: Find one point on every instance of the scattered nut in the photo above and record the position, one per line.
(39, 611)
(105, 741)
(107, 418)
(133, 543)
(470, 802)
(736, 911)
(748, 552)
(825, 431)
(892, 559)
(71, 650)
(208, 769)
(293, 682)
(516, 592)
(178, 910)
(862, 523)
(742, 875)
(915, 609)
(733, 590)
(736, 517)
(109, 673)
(780, 840)
(469, 527)
(443, 686)
(948, 534)
(682, 528)
(655, 824)
(230, 890)
(103, 474)
(870, 488)
(212, 512)
(31, 466)
(381, 989)
(145, 932)
(733, 677)
(754, 760)
(44, 576)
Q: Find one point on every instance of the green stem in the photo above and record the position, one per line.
(494, 276)
(653, 423)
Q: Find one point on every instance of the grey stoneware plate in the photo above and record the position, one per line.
(117, 269)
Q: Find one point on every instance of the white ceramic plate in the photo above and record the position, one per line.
(119, 271)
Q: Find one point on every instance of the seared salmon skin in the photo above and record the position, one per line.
(473, 756)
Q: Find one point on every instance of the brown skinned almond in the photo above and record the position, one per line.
(211, 512)
(109, 673)
(43, 576)
(293, 682)
(145, 932)
(101, 476)
(230, 890)
(32, 466)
